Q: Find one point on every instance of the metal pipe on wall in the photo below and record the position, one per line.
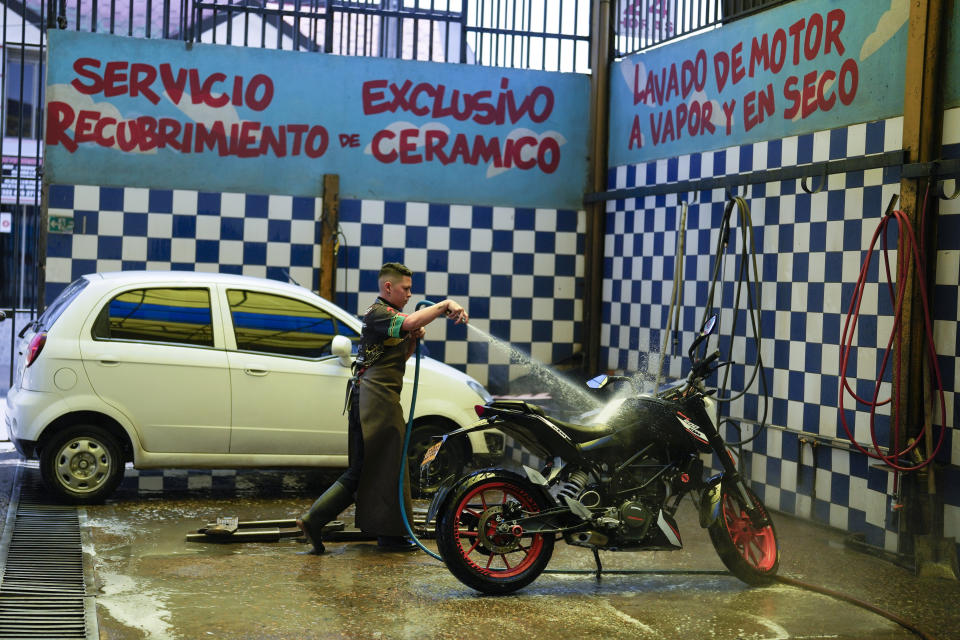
(922, 137)
(600, 54)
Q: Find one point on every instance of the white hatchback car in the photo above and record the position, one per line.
(199, 370)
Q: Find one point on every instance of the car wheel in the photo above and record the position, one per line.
(82, 464)
(450, 461)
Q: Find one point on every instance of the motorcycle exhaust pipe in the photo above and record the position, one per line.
(590, 538)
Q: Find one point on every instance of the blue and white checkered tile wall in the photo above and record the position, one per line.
(518, 271)
(123, 229)
(810, 250)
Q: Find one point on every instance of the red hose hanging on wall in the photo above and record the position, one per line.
(906, 236)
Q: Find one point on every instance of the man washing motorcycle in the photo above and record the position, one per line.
(376, 421)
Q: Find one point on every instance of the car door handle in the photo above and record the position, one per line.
(107, 362)
(255, 372)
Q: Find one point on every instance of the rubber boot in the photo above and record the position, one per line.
(324, 509)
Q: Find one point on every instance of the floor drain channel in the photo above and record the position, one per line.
(43, 589)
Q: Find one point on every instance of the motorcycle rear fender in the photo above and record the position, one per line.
(445, 493)
(710, 500)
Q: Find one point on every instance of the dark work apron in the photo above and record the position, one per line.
(384, 425)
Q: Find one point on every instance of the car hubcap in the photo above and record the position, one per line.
(83, 465)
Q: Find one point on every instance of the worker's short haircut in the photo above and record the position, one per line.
(393, 271)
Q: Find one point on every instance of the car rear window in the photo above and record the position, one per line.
(168, 315)
(61, 302)
(268, 323)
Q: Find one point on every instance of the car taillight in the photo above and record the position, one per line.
(480, 409)
(36, 346)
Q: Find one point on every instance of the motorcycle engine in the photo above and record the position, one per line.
(636, 518)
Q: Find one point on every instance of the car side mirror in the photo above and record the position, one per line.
(342, 348)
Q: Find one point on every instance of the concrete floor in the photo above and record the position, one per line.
(153, 584)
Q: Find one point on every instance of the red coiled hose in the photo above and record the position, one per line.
(906, 236)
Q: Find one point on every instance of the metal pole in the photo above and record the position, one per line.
(600, 29)
(922, 137)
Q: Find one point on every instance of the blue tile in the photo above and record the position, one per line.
(395, 213)
(437, 260)
(416, 237)
(349, 209)
(460, 239)
(838, 143)
(278, 230)
(371, 235)
(109, 247)
(458, 284)
(256, 206)
(158, 249)
(523, 263)
(501, 286)
(80, 267)
(86, 222)
(208, 251)
(563, 309)
(438, 215)
(948, 232)
(208, 204)
(481, 262)
(111, 199)
(61, 196)
(874, 137)
(184, 226)
(254, 253)
(774, 153)
(301, 255)
(545, 242)
(479, 307)
(565, 265)
(134, 224)
(60, 245)
(160, 201)
(482, 218)
(805, 148)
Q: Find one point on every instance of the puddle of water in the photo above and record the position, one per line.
(130, 603)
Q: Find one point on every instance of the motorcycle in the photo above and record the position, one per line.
(612, 483)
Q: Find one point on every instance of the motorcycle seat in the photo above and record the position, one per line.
(581, 433)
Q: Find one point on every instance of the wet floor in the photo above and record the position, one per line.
(153, 584)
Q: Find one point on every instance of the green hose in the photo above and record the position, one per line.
(406, 446)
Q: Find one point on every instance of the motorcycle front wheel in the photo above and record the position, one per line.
(749, 551)
(476, 552)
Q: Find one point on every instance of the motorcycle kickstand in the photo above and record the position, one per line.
(596, 557)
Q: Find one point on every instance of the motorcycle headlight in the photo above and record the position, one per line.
(480, 391)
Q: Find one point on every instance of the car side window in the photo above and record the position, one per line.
(269, 323)
(169, 315)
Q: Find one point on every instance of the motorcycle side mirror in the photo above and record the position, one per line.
(599, 382)
(708, 327)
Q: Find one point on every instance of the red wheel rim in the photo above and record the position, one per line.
(757, 546)
(513, 554)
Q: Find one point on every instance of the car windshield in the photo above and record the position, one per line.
(61, 302)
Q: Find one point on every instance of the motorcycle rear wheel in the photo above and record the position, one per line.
(751, 553)
(476, 553)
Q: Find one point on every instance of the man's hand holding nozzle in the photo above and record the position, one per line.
(457, 313)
